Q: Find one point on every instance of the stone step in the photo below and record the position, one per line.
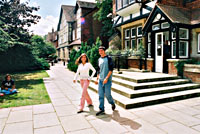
(136, 86)
(151, 91)
(144, 77)
(128, 103)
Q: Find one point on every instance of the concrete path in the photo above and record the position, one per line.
(60, 117)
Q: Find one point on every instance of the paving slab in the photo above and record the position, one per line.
(177, 128)
(50, 130)
(107, 126)
(66, 110)
(45, 120)
(2, 124)
(20, 116)
(4, 112)
(22, 108)
(140, 126)
(43, 108)
(197, 128)
(19, 128)
(84, 131)
(74, 123)
(60, 102)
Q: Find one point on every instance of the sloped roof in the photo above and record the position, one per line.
(176, 14)
(195, 16)
(68, 11)
(85, 4)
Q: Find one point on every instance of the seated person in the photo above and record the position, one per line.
(8, 86)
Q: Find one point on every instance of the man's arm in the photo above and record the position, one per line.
(110, 67)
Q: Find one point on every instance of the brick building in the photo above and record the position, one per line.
(77, 25)
(173, 33)
(52, 37)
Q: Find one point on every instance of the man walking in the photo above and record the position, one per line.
(104, 80)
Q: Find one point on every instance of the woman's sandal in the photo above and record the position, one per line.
(80, 111)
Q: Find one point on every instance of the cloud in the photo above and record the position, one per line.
(45, 25)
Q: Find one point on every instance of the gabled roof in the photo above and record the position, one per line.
(176, 15)
(68, 12)
(84, 4)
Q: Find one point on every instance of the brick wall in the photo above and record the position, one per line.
(135, 63)
(150, 64)
(192, 72)
(171, 68)
(172, 2)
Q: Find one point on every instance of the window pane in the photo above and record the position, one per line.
(125, 2)
(119, 4)
(149, 49)
(132, 1)
(173, 35)
(156, 27)
(165, 25)
(127, 44)
(139, 31)
(183, 48)
(133, 32)
(139, 41)
(149, 37)
(133, 43)
(183, 33)
(174, 48)
(199, 42)
(127, 33)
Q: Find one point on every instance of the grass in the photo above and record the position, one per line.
(31, 90)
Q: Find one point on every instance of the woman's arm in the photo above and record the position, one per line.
(77, 73)
(93, 70)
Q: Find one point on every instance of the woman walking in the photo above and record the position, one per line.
(83, 69)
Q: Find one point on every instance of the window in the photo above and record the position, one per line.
(119, 4)
(183, 33)
(165, 25)
(198, 43)
(127, 33)
(149, 37)
(139, 31)
(133, 32)
(149, 49)
(133, 44)
(174, 49)
(131, 1)
(127, 44)
(139, 41)
(125, 3)
(173, 35)
(156, 27)
(183, 49)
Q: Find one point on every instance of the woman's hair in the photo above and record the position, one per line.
(78, 61)
(7, 75)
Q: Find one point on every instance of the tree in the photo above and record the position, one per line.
(17, 17)
(105, 8)
(41, 48)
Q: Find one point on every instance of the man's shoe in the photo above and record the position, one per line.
(90, 105)
(113, 107)
(100, 112)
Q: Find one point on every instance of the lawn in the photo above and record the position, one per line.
(31, 90)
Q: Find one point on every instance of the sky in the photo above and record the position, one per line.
(49, 11)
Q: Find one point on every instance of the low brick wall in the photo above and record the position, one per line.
(171, 67)
(192, 72)
(134, 62)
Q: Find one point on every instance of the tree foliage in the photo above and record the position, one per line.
(17, 17)
(105, 8)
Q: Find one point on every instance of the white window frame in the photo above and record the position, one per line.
(131, 1)
(173, 50)
(156, 25)
(126, 34)
(198, 42)
(138, 30)
(163, 27)
(186, 49)
(187, 33)
(135, 33)
(125, 4)
(172, 35)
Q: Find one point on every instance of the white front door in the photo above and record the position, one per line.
(159, 52)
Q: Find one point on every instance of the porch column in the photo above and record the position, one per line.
(177, 42)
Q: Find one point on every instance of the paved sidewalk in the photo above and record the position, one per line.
(60, 117)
